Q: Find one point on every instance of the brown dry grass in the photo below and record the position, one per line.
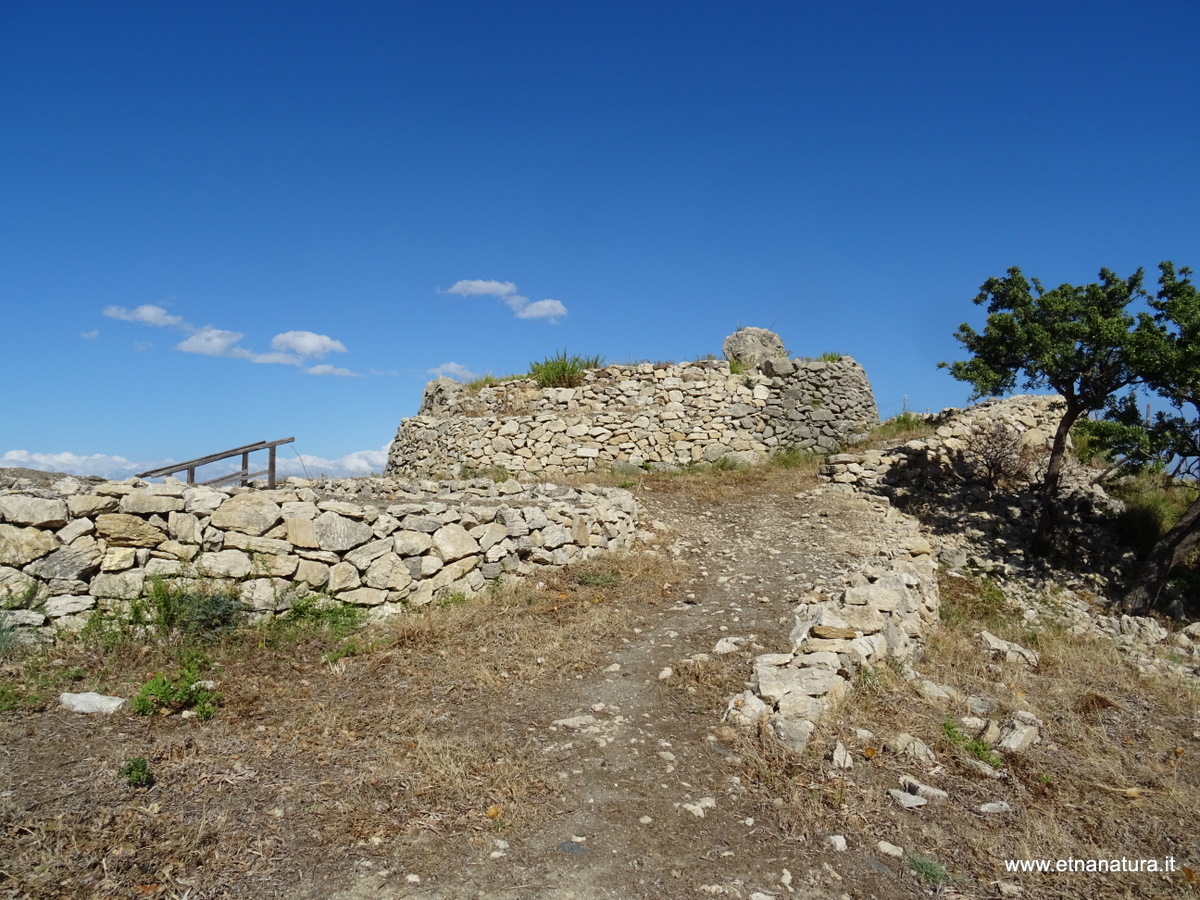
(1116, 774)
(406, 739)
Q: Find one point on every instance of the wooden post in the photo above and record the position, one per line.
(271, 468)
(245, 469)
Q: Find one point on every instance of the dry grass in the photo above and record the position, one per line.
(1116, 774)
(406, 739)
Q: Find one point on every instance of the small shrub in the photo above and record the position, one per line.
(196, 610)
(562, 370)
(829, 356)
(737, 367)
(992, 454)
(136, 772)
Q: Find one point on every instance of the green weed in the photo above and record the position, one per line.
(185, 690)
(136, 772)
(563, 371)
(929, 870)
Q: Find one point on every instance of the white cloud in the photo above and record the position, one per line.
(146, 314)
(352, 465)
(210, 341)
(452, 370)
(95, 464)
(551, 310)
(213, 341)
(90, 335)
(522, 307)
(306, 343)
(475, 287)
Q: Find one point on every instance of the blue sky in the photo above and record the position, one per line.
(230, 222)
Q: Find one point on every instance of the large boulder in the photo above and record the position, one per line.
(751, 346)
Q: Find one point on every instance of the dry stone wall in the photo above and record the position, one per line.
(381, 543)
(651, 415)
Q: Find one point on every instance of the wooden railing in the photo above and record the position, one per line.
(244, 475)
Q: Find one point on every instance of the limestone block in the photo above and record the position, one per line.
(184, 527)
(143, 502)
(389, 573)
(260, 546)
(117, 559)
(265, 594)
(20, 546)
(14, 584)
(554, 536)
(411, 543)
(124, 530)
(879, 596)
(118, 586)
(38, 512)
(299, 509)
(301, 532)
(491, 534)
(276, 565)
(250, 513)
(163, 567)
(66, 563)
(68, 604)
(452, 542)
(224, 564)
(343, 577)
(312, 573)
(337, 533)
(203, 500)
(363, 597)
(89, 505)
(795, 733)
(452, 572)
(368, 553)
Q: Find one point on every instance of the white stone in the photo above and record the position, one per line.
(91, 702)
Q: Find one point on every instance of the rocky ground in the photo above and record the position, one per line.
(606, 769)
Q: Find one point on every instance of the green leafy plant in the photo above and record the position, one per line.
(562, 370)
(736, 367)
(830, 356)
(185, 690)
(136, 772)
(929, 870)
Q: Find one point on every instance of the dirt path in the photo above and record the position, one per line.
(649, 803)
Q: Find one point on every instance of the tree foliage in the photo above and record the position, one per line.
(1164, 349)
(1073, 339)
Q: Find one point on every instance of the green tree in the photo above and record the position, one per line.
(1073, 339)
(1165, 351)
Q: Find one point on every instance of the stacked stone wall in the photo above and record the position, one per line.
(647, 415)
(379, 543)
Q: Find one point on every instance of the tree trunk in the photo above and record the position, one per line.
(1043, 537)
(1166, 554)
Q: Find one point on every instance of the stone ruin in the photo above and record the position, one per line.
(647, 415)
